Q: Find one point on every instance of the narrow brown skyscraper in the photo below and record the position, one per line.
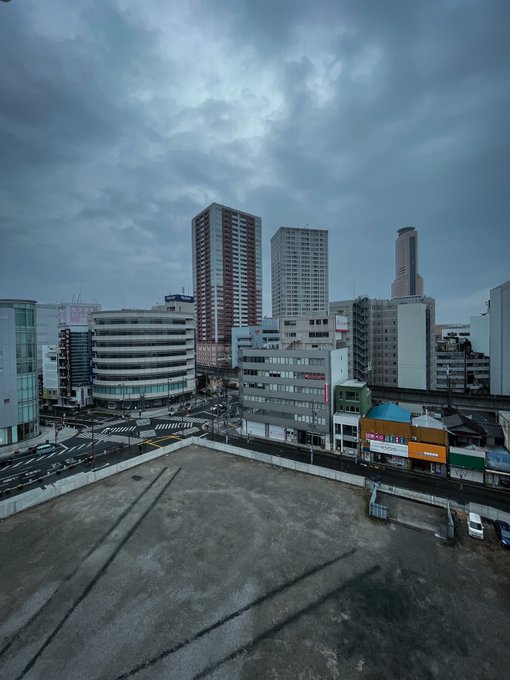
(407, 280)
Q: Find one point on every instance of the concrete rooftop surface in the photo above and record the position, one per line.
(204, 565)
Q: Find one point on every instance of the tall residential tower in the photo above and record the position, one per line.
(299, 272)
(227, 278)
(407, 280)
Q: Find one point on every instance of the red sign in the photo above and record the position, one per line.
(325, 393)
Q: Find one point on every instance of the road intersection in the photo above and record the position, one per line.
(102, 441)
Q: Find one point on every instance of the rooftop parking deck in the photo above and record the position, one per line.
(200, 564)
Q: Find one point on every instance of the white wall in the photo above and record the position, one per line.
(412, 345)
(480, 333)
(500, 339)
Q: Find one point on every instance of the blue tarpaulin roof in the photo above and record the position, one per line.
(390, 412)
(498, 458)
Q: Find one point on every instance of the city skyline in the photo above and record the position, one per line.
(119, 123)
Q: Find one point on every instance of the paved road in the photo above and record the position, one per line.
(415, 481)
(114, 439)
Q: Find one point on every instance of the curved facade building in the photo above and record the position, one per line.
(407, 280)
(142, 358)
(19, 389)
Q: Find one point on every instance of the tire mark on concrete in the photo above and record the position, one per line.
(290, 619)
(69, 576)
(204, 631)
(98, 575)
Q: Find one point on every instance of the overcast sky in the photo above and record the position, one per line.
(121, 120)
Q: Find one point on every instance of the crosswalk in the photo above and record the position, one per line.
(188, 419)
(181, 425)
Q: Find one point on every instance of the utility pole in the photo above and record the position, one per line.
(312, 433)
(449, 383)
(93, 444)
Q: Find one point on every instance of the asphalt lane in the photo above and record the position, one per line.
(123, 438)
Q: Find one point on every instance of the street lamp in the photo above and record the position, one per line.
(122, 386)
(313, 429)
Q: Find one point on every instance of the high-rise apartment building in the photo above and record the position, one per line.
(407, 280)
(299, 272)
(227, 278)
(500, 339)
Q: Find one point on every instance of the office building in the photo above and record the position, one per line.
(299, 272)
(407, 280)
(64, 328)
(227, 279)
(266, 335)
(286, 395)
(19, 392)
(500, 339)
(315, 331)
(459, 368)
(142, 358)
(390, 342)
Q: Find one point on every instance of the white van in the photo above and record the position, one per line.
(475, 526)
(41, 449)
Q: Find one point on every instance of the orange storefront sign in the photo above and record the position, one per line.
(430, 452)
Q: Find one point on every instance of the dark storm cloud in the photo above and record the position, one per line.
(119, 121)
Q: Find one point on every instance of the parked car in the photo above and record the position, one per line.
(107, 430)
(475, 526)
(503, 532)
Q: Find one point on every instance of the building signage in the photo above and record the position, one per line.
(390, 438)
(314, 376)
(374, 437)
(179, 298)
(389, 449)
(430, 452)
(326, 399)
(340, 323)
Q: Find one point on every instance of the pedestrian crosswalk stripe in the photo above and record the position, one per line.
(173, 426)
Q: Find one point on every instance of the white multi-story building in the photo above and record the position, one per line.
(500, 339)
(287, 395)
(299, 272)
(315, 331)
(227, 278)
(142, 358)
(263, 336)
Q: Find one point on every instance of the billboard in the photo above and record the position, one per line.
(340, 323)
(76, 314)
